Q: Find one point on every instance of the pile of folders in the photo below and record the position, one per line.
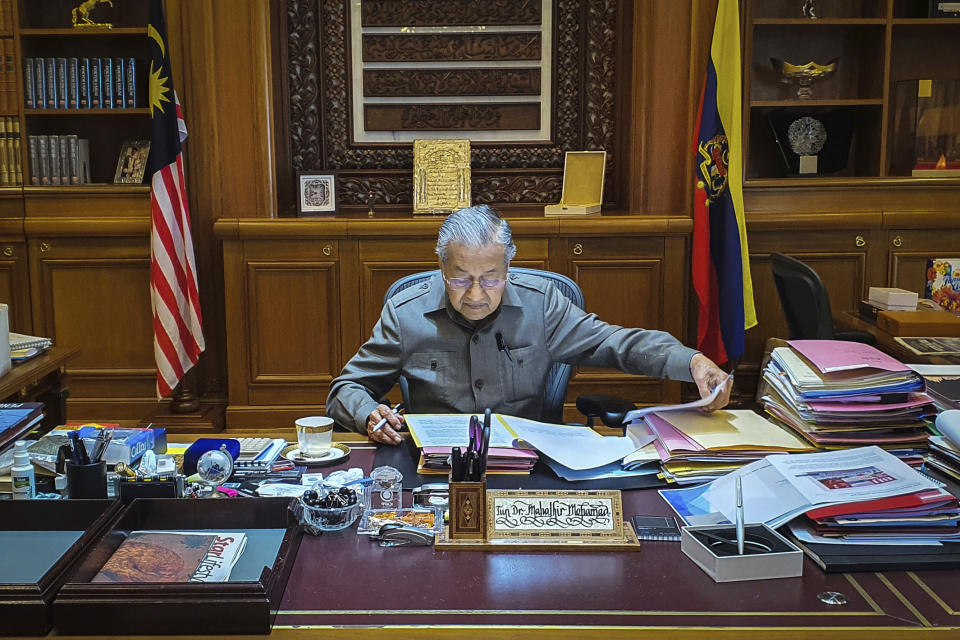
(823, 391)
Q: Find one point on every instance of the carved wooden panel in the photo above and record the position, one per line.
(472, 117)
(451, 47)
(425, 13)
(294, 321)
(451, 82)
(591, 42)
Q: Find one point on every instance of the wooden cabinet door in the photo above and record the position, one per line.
(909, 250)
(632, 282)
(94, 293)
(15, 284)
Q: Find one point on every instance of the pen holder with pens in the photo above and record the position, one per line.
(468, 509)
(87, 480)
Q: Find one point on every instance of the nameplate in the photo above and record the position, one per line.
(573, 515)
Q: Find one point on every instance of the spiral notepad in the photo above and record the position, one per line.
(657, 528)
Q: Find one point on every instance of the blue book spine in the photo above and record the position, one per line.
(130, 80)
(50, 71)
(106, 80)
(61, 83)
(73, 83)
(29, 95)
(96, 84)
(83, 80)
(39, 84)
(119, 99)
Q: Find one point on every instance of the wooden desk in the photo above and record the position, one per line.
(852, 320)
(41, 379)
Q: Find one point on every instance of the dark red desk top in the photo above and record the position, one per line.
(342, 579)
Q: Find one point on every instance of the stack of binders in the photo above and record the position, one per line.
(839, 395)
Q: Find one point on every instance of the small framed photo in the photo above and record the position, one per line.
(132, 162)
(318, 193)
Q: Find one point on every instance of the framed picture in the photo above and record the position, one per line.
(132, 162)
(318, 193)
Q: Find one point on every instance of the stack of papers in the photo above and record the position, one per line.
(855, 495)
(944, 456)
(697, 447)
(838, 394)
(437, 434)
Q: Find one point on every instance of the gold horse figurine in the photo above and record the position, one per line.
(81, 14)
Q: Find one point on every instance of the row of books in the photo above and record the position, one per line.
(11, 166)
(80, 83)
(59, 160)
(8, 76)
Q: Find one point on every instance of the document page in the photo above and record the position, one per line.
(452, 430)
(850, 475)
(637, 414)
(575, 447)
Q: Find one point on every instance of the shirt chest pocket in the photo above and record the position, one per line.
(431, 374)
(524, 372)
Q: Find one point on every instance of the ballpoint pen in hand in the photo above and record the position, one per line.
(739, 491)
(397, 407)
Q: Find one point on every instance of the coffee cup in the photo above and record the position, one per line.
(314, 435)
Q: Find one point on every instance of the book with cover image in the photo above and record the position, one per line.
(174, 556)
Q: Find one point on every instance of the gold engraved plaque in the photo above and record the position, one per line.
(441, 175)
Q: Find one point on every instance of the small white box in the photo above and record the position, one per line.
(725, 565)
(891, 296)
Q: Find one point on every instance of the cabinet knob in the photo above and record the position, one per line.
(327, 250)
(8, 251)
(897, 241)
(577, 249)
(859, 241)
(44, 247)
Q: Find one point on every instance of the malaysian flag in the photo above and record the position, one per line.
(177, 325)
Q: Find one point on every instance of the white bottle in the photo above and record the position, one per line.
(24, 483)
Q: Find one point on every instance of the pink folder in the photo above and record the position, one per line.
(840, 355)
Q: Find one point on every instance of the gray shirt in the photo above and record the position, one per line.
(455, 366)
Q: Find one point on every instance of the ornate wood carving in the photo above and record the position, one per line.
(451, 82)
(442, 47)
(584, 108)
(423, 13)
(439, 117)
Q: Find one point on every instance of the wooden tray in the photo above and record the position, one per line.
(86, 607)
(25, 606)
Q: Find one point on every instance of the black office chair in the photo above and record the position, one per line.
(806, 304)
(608, 408)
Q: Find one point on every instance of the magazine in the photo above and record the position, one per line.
(174, 556)
(931, 346)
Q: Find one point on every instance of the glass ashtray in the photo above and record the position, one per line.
(430, 518)
(317, 519)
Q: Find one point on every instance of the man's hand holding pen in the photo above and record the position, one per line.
(384, 423)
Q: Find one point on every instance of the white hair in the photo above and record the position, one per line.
(476, 227)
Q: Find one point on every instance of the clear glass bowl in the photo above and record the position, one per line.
(317, 519)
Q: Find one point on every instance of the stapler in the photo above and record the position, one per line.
(398, 535)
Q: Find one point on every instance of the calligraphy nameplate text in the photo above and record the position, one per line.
(594, 515)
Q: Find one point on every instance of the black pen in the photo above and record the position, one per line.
(503, 346)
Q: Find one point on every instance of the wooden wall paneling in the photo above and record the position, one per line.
(237, 315)
(15, 282)
(909, 250)
(93, 293)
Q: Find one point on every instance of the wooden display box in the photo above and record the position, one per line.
(248, 607)
(583, 175)
(919, 323)
(25, 603)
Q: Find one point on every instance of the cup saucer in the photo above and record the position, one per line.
(337, 452)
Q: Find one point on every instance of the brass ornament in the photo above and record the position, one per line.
(441, 175)
(804, 75)
(81, 15)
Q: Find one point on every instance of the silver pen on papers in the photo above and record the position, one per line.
(383, 421)
(739, 490)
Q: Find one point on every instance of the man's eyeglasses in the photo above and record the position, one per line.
(467, 283)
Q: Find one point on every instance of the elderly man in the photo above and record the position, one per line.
(475, 337)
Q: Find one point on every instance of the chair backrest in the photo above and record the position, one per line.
(559, 374)
(804, 299)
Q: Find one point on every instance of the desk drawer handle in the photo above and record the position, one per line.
(577, 249)
(327, 250)
(44, 247)
(897, 241)
(860, 242)
(8, 251)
